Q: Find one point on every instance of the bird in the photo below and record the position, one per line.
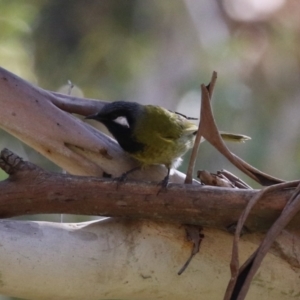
(152, 134)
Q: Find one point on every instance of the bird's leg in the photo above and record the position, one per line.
(165, 181)
(123, 177)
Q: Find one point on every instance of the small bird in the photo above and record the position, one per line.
(152, 134)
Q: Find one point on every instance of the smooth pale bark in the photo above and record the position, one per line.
(123, 259)
(35, 116)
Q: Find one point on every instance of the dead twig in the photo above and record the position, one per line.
(195, 235)
(241, 278)
(195, 150)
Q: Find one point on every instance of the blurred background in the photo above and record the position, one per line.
(159, 52)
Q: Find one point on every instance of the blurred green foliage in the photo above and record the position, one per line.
(159, 52)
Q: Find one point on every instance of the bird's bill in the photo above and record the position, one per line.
(91, 116)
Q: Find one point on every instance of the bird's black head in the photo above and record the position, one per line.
(114, 110)
(122, 131)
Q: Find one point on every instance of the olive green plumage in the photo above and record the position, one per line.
(166, 136)
(152, 134)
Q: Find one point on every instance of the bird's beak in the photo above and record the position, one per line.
(91, 116)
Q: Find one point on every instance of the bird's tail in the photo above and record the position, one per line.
(232, 137)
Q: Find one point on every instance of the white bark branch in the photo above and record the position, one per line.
(33, 115)
(119, 259)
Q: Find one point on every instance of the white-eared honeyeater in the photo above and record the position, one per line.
(152, 134)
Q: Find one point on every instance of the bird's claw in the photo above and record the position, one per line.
(120, 179)
(163, 185)
(123, 177)
(164, 182)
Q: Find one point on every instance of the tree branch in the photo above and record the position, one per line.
(35, 116)
(126, 259)
(31, 190)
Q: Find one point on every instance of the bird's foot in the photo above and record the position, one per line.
(164, 182)
(121, 179)
(163, 185)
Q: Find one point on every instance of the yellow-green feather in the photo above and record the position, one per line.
(166, 136)
(233, 137)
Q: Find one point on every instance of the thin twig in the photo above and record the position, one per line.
(252, 265)
(209, 130)
(190, 170)
(241, 278)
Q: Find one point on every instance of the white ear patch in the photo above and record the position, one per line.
(122, 121)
